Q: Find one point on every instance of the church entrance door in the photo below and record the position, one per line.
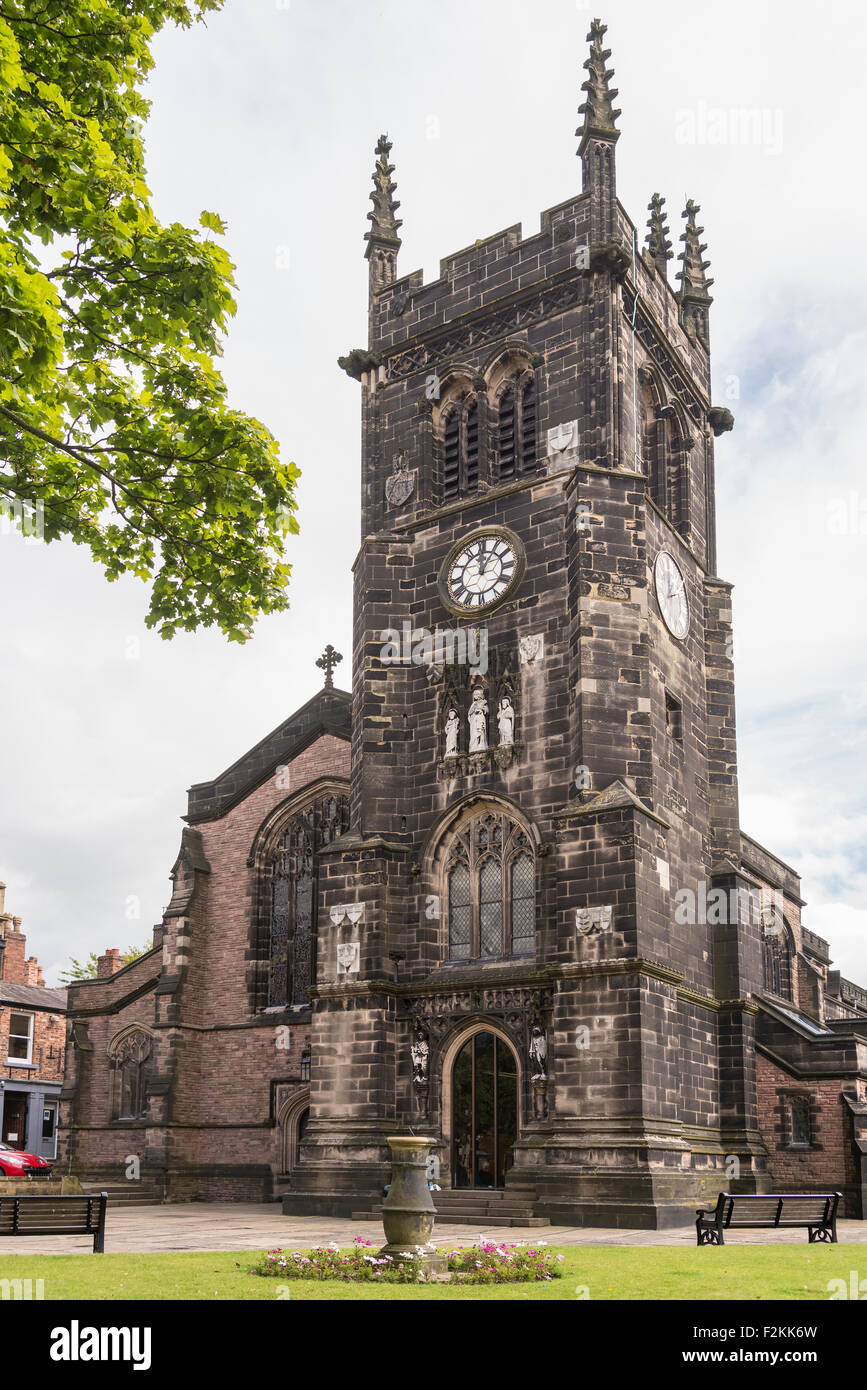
(485, 1109)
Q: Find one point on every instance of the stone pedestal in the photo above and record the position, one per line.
(408, 1212)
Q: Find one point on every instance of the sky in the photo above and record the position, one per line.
(269, 116)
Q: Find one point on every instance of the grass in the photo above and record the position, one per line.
(790, 1272)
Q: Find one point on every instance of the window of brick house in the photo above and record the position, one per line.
(20, 1038)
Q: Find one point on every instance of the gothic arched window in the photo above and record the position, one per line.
(776, 962)
(291, 872)
(490, 876)
(516, 427)
(131, 1058)
(460, 444)
(653, 445)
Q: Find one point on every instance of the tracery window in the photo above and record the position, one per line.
(132, 1061)
(516, 427)
(490, 875)
(292, 874)
(776, 962)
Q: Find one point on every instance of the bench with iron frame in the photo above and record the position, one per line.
(816, 1212)
(28, 1215)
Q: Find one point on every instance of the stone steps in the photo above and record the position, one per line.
(126, 1194)
(467, 1208)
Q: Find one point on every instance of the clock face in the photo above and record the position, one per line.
(671, 594)
(481, 571)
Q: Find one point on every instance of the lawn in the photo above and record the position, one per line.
(795, 1272)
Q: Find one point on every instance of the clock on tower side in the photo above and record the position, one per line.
(537, 481)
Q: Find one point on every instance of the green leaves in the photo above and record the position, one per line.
(212, 222)
(113, 414)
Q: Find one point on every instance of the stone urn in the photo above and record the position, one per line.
(408, 1212)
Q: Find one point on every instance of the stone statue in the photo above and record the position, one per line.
(420, 1053)
(478, 721)
(506, 721)
(539, 1054)
(453, 726)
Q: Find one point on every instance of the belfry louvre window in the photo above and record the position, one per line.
(461, 449)
(516, 428)
(490, 875)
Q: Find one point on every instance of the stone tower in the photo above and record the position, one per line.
(544, 766)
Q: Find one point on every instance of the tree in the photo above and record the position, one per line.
(114, 422)
(87, 970)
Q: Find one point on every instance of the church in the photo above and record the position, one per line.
(499, 894)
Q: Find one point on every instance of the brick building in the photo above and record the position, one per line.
(32, 1042)
(500, 894)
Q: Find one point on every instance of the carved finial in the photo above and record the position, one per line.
(658, 244)
(598, 109)
(694, 283)
(327, 662)
(383, 222)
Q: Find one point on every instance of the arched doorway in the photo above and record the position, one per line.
(484, 1112)
(293, 1122)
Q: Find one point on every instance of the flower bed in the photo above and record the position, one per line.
(470, 1264)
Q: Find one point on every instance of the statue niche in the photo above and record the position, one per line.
(477, 716)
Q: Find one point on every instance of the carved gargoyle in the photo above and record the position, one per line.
(720, 419)
(357, 362)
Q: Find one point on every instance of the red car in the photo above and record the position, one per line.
(15, 1163)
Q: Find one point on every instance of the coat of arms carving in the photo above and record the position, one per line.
(400, 486)
(561, 436)
(348, 958)
(591, 921)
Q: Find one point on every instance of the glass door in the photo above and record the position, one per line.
(485, 1109)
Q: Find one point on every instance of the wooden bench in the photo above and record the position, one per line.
(814, 1211)
(55, 1216)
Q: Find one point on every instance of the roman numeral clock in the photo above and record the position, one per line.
(481, 571)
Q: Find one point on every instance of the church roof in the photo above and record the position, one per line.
(329, 712)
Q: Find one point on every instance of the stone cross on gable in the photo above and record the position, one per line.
(327, 662)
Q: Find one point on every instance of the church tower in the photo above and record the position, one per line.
(515, 952)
